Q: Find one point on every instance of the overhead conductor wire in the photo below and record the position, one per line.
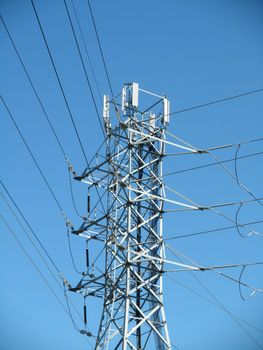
(240, 184)
(214, 163)
(211, 208)
(67, 310)
(62, 91)
(219, 303)
(217, 101)
(104, 62)
(30, 228)
(86, 50)
(59, 82)
(48, 120)
(33, 87)
(84, 68)
(100, 47)
(212, 230)
(32, 262)
(32, 156)
(65, 282)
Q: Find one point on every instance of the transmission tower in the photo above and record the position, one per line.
(125, 216)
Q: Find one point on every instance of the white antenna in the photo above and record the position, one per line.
(106, 114)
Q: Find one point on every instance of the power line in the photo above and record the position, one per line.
(84, 68)
(72, 197)
(33, 157)
(30, 228)
(235, 144)
(212, 164)
(40, 243)
(212, 208)
(71, 254)
(33, 87)
(212, 230)
(216, 268)
(215, 148)
(217, 101)
(59, 82)
(61, 88)
(86, 50)
(67, 310)
(217, 304)
(30, 239)
(100, 47)
(104, 62)
(235, 177)
(32, 262)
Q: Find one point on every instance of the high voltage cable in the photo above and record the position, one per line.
(207, 207)
(59, 82)
(72, 197)
(31, 240)
(219, 305)
(68, 312)
(40, 243)
(84, 68)
(235, 144)
(212, 230)
(235, 177)
(30, 228)
(240, 184)
(215, 268)
(34, 89)
(32, 261)
(33, 157)
(86, 50)
(71, 253)
(215, 211)
(46, 182)
(100, 47)
(35, 92)
(104, 63)
(179, 111)
(234, 319)
(214, 303)
(212, 164)
(207, 150)
(217, 101)
(62, 90)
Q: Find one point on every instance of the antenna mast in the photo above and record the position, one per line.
(127, 219)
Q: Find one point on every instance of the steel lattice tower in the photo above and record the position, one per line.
(127, 219)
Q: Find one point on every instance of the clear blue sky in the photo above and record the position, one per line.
(195, 52)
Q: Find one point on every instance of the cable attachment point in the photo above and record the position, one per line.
(65, 282)
(70, 167)
(88, 334)
(68, 222)
(201, 151)
(202, 208)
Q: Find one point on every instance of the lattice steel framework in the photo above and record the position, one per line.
(127, 219)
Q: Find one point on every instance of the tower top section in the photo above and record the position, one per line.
(127, 107)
